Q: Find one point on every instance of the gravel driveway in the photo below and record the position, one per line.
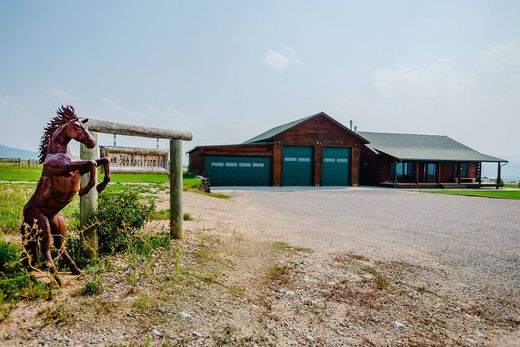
(474, 242)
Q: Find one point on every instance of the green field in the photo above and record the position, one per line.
(497, 194)
(32, 174)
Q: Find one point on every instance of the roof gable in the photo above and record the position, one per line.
(269, 134)
(424, 147)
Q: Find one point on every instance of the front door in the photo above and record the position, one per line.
(430, 171)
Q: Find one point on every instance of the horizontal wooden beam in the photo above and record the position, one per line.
(106, 127)
(135, 150)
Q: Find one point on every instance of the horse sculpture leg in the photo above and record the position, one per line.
(106, 168)
(59, 228)
(45, 243)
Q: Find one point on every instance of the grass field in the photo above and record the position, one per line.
(497, 194)
(32, 174)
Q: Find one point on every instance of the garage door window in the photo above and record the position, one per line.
(231, 164)
(244, 164)
(258, 164)
(304, 160)
(290, 159)
(217, 164)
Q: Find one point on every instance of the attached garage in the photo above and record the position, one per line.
(336, 166)
(312, 151)
(237, 171)
(297, 166)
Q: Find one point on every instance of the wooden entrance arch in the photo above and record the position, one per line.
(88, 202)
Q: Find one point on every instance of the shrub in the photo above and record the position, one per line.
(15, 281)
(119, 216)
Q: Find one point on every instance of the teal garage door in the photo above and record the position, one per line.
(297, 166)
(237, 171)
(335, 168)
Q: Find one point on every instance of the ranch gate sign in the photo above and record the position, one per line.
(130, 160)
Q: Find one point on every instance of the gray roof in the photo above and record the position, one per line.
(424, 147)
(277, 130)
(269, 134)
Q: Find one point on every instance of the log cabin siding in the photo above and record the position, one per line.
(317, 132)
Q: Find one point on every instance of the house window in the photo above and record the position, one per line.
(463, 170)
(402, 169)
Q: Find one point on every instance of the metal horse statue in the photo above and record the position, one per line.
(59, 182)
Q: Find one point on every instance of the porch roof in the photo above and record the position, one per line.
(424, 147)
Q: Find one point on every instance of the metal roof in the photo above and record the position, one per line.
(424, 147)
(277, 130)
(281, 128)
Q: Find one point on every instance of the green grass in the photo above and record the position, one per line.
(511, 185)
(497, 193)
(32, 174)
(20, 173)
(13, 197)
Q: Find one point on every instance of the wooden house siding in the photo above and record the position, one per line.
(317, 132)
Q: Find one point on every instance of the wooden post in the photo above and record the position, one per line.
(176, 189)
(499, 178)
(395, 173)
(88, 202)
(439, 178)
(417, 172)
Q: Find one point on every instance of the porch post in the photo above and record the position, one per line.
(438, 173)
(395, 172)
(499, 174)
(416, 172)
(459, 171)
(479, 177)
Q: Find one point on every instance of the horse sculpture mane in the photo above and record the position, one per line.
(64, 114)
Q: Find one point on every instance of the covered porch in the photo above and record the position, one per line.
(439, 174)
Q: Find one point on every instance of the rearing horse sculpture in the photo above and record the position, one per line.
(59, 182)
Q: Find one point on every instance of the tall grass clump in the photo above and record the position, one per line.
(15, 282)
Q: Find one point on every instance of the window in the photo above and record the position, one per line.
(231, 164)
(216, 164)
(258, 164)
(463, 170)
(403, 169)
(341, 160)
(244, 164)
(290, 159)
(304, 160)
(329, 160)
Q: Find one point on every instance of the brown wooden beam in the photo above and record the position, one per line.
(417, 172)
(499, 174)
(439, 174)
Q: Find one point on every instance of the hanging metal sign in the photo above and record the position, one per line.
(136, 160)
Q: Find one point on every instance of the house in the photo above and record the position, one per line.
(312, 151)
(412, 160)
(319, 151)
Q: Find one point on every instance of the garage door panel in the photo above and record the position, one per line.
(237, 171)
(336, 166)
(297, 166)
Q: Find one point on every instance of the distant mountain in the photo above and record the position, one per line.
(11, 152)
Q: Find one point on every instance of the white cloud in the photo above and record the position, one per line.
(61, 96)
(437, 80)
(504, 56)
(293, 56)
(438, 98)
(278, 61)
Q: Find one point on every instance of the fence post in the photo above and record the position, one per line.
(176, 189)
(88, 202)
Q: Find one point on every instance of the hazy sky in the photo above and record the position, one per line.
(228, 70)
